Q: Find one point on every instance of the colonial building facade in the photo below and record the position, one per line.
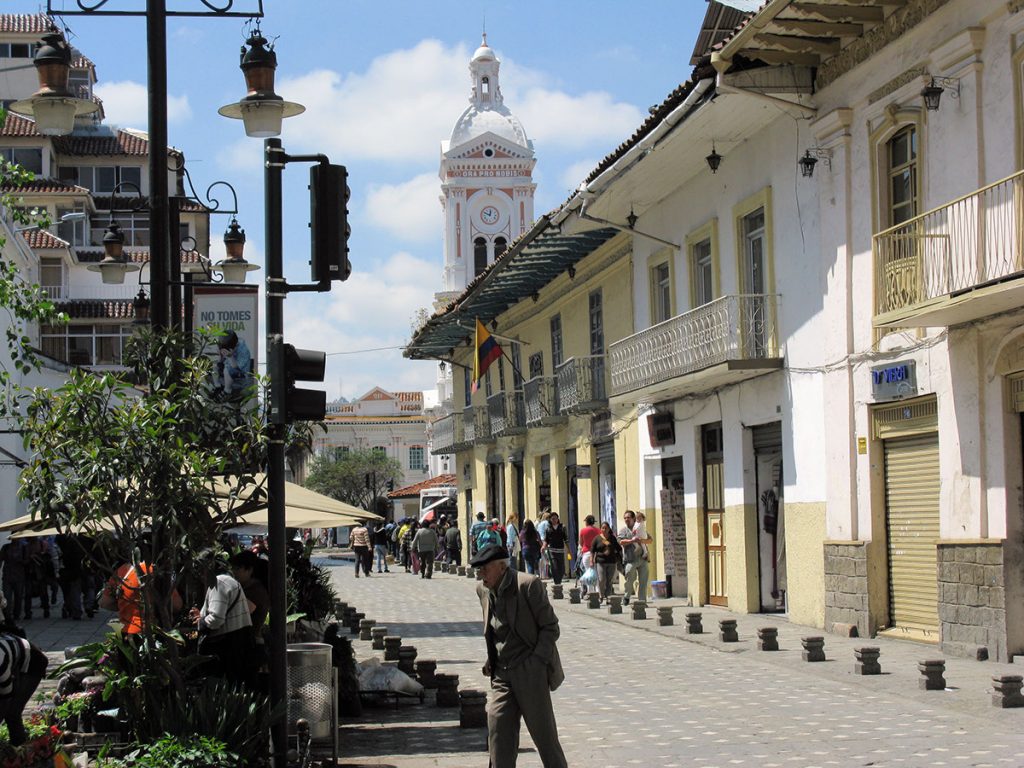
(815, 390)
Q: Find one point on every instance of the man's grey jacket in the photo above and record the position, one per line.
(533, 619)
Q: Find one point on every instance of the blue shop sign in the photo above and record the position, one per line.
(894, 381)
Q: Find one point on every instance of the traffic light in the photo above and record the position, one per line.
(328, 199)
(391, 484)
(288, 402)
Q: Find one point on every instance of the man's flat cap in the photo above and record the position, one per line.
(489, 553)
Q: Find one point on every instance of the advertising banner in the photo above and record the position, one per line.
(232, 315)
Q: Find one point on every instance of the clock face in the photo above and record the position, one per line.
(489, 215)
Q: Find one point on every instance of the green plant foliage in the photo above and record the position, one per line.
(177, 752)
(311, 591)
(344, 477)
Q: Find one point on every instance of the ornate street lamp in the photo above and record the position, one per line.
(113, 266)
(141, 304)
(234, 267)
(53, 106)
(714, 160)
(261, 110)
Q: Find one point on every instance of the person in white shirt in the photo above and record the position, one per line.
(634, 540)
(225, 626)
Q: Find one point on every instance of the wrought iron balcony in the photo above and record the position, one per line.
(540, 395)
(476, 426)
(581, 384)
(507, 412)
(726, 340)
(953, 264)
(447, 435)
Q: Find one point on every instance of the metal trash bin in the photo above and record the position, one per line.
(311, 693)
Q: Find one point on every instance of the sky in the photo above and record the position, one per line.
(383, 84)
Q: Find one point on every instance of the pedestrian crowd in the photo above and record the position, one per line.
(540, 547)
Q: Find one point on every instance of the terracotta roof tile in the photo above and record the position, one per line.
(16, 125)
(40, 238)
(123, 143)
(45, 187)
(97, 309)
(414, 490)
(30, 23)
(93, 254)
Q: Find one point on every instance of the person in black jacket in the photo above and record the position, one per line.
(380, 539)
(607, 556)
(555, 540)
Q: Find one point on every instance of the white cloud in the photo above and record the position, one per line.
(407, 102)
(409, 211)
(577, 172)
(126, 103)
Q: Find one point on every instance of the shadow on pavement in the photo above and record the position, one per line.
(381, 740)
(435, 629)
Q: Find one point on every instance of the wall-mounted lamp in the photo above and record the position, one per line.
(810, 159)
(441, 365)
(932, 93)
(632, 218)
(714, 159)
(572, 272)
(494, 324)
(536, 298)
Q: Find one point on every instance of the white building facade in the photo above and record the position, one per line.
(392, 423)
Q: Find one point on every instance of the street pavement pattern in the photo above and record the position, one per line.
(637, 694)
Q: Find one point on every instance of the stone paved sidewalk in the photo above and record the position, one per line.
(636, 693)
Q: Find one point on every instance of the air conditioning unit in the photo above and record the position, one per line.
(662, 429)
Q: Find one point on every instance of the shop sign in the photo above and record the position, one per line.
(894, 381)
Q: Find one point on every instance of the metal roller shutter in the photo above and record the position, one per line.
(912, 526)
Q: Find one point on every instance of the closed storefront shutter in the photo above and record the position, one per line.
(912, 526)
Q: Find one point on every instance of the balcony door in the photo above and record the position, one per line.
(754, 284)
(714, 512)
(597, 388)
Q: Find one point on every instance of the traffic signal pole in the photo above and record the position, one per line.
(286, 403)
(276, 292)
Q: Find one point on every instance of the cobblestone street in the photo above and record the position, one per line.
(639, 694)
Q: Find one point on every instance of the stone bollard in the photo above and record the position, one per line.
(557, 592)
(461, 570)
(447, 690)
(932, 675)
(346, 615)
(867, 661)
(614, 604)
(472, 709)
(665, 616)
(693, 624)
(392, 643)
(768, 639)
(470, 573)
(425, 669)
(407, 659)
(639, 610)
(593, 600)
(339, 609)
(727, 631)
(814, 648)
(353, 624)
(377, 634)
(365, 626)
(574, 595)
(1007, 691)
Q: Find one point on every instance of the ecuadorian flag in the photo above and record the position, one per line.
(487, 351)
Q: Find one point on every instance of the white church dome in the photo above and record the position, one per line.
(487, 112)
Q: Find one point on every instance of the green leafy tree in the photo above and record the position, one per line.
(24, 303)
(359, 478)
(154, 472)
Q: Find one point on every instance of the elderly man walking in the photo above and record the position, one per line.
(521, 631)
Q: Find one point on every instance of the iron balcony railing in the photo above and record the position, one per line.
(964, 244)
(447, 434)
(731, 328)
(507, 413)
(476, 426)
(540, 395)
(581, 384)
